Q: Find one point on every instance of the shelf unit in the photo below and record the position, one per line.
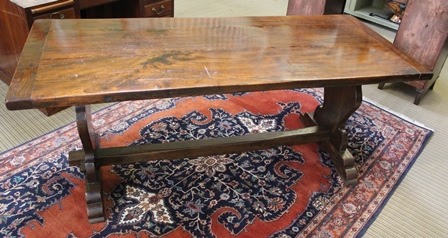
(364, 8)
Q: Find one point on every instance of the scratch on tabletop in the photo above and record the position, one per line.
(208, 73)
(83, 61)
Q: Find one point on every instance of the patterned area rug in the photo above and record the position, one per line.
(279, 192)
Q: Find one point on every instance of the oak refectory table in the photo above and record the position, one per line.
(79, 62)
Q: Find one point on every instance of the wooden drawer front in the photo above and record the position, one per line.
(56, 10)
(57, 14)
(158, 9)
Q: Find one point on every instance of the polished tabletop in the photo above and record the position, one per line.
(86, 61)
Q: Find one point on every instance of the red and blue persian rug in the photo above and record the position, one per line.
(279, 192)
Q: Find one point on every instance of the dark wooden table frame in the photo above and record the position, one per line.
(64, 64)
(327, 127)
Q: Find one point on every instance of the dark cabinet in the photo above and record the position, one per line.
(16, 19)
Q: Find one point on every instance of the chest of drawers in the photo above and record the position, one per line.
(16, 18)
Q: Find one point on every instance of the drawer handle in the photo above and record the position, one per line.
(158, 12)
(61, 15)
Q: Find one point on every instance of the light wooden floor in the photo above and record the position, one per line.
(418, 207)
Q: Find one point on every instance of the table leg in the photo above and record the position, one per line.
(339, 104)
(92, 172)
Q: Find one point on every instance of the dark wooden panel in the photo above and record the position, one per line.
(334, 7)
(84, 4)
(144, 8)
(305, 7)
(14, 31)
(423, 35)
(317, 7)
(424, 30)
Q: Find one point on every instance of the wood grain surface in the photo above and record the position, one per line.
(82, 61)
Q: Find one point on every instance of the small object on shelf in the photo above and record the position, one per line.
(371, 10)
(385, 17)
(397, 10)
(395, 18)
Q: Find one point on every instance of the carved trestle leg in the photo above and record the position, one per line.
(339, 104)
(92, 172)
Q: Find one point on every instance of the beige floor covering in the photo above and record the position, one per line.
(418, 208)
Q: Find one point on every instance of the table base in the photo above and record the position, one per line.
(325, 126)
